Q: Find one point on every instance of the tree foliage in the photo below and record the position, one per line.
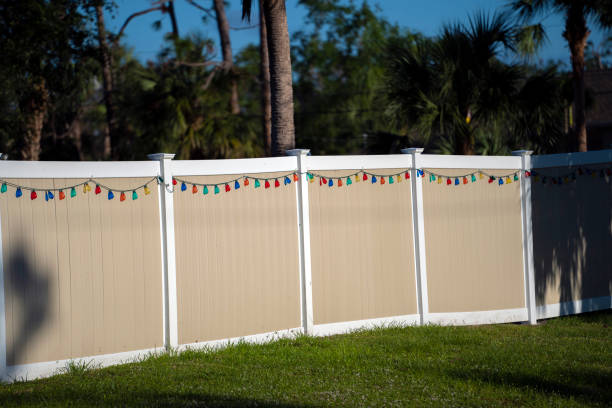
(456, 93)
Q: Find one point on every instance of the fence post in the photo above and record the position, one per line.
(166, 210)
(3, 372)
(420, 264)
(528, 263)
(303, 211)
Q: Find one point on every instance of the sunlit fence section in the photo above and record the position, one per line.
(105, 262)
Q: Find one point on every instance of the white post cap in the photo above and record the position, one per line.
(522, 152)
(413, 150)
(297, 152)
(160, 156)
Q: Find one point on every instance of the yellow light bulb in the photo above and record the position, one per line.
(399, 178)
(147, 190)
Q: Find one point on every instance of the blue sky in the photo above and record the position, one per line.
(426, 17)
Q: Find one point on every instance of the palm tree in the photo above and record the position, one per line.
(455, 84)
(576, 33)
(281, 85)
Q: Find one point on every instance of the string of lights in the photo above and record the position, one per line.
(324, 180)
(51, 192)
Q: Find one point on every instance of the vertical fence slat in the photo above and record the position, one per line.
(303, 210)
(169, 290)
(418, 224)
(528, 262)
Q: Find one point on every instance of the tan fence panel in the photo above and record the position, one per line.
(82, 275)
(362, 250)
(572, 236)
(474, 244)
(237, 261)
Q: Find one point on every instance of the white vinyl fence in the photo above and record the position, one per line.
(139, 257)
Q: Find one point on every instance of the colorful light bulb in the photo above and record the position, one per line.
(399, 178)
(18, 193)
(339, 182)
(456, 181)
(267, 184)
(348, 181)
(227, 188)
(236, 185)
(407, 175)
(287, 180)
(50, 194)
(216, 189)
(98, 189)
(246, 181)
(295, 177)
(110, 195)
(365, 177)
(473, 178)
(257, 183)
(72, 192)
(33, 195)
(3, 188)
(448, 181)
(390, 179)
(194, 189)
(330, 183)
(134, 195)
(183, 186)
(147, 190)
(465, 180)
(373, 179)
(205, 190)
(62, 195)
(174, 182)
(382, 180)
(276, 183)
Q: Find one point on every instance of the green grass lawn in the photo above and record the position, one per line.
(561, 362)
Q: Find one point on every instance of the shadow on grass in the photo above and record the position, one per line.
(588, 385)
(141, 400)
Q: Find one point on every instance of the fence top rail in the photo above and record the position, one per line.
(57, 169)
(571, 159)
(233, 166)
(440, 161)
(390, 161)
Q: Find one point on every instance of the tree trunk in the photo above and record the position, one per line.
(226, 49)
(107, 80)
(576, 34)
(281, 85)
(36, 110)
(170, 8)
(266, 96)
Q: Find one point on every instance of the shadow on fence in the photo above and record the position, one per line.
(26, 301)
(572, 230)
